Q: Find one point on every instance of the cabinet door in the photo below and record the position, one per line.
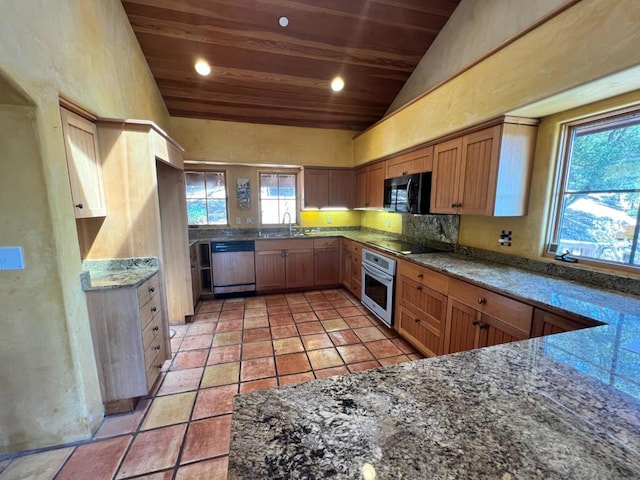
(546, 323)
(270, 270)
(316, 188)
(446, 176)
(84, 164)
(195, 273)
(376, 185)
(341, 186)
(462, 331)
(362, 187)
(299, 269)
(326, 266)
(345, 265)
(478, 172)
(495, 332)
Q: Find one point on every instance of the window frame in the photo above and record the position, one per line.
(226, 197)
(296, 174)
(591, 124)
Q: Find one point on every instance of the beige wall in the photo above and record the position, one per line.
(86, 52)
(475, 28)
(590, 40)
(232, 142)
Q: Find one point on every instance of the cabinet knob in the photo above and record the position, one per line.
(79, 205)
(417, 320)
(159, 366)
(419, 288)
(156, 328)
(475, 322)
(484, 326)
(157, 347)
(421, 275)
(154, 309)
(152, 289)
(482, 300)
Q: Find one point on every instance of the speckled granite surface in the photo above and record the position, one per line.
(525, 410)
(117, 272)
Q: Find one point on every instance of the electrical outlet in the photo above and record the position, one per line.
(238, 221)
(388, 222)
(505, 238)
(329, 219)
(248, 220)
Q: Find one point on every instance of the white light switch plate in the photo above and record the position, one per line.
(11, 258)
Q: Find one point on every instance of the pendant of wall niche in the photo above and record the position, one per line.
(243, 190)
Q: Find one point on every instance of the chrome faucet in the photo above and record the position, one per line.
(287, 214)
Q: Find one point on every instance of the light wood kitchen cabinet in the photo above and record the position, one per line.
(370, 186)
(145, 190)
(486, 172)
(547, 323)
(418, 161)
(477, 317)
(421, 307)
(326, 262)
(351, 270)
(328, 188)
(284, 264)
(84, 164)
(128, 332)
(195, 272)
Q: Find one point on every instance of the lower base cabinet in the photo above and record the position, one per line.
(477, 317)
(547, 323)
(421, 310)
(128, 332)
(284, 264)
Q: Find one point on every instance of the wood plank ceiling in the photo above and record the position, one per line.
(263, 73)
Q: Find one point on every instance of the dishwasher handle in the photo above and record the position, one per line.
(233, 246)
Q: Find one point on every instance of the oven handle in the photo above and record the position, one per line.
(377, 274)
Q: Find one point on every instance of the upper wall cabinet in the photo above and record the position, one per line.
(418, 161)
(84, 164)
(370, 186)
(328, 188)
(486, 172)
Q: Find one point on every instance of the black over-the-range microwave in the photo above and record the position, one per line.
(408, 194)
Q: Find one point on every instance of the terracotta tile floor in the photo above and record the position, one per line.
(233, 345)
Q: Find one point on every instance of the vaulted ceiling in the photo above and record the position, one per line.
(265, 73)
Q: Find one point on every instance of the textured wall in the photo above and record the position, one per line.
(475, 28)
(591, 40)
(85, 51)
(232, 142)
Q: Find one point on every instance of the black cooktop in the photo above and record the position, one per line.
(404, 248)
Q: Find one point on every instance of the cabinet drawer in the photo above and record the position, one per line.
(153, 349)
(149, 310)
(509, 311)
(355, 249)
(148, 290)
(154, 367)
(434, 280)
(427, 339)
(332, 242)
(151, 331)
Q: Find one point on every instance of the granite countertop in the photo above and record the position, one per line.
(515, 411)
(564, 406)
(117, 272)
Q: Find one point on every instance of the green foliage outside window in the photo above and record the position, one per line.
(206, 198)
(600, 204)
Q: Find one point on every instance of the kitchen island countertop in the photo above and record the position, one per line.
(563, 406)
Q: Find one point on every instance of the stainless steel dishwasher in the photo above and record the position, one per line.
(233, 266)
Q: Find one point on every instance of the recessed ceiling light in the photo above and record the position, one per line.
(202, 67)
(283, 21)
(337, 84)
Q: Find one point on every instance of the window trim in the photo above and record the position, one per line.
(611, 117)
(226, 197)
(280, 171)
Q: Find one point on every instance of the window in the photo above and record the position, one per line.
(206, 198)
(277, 197)
(598, 207)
